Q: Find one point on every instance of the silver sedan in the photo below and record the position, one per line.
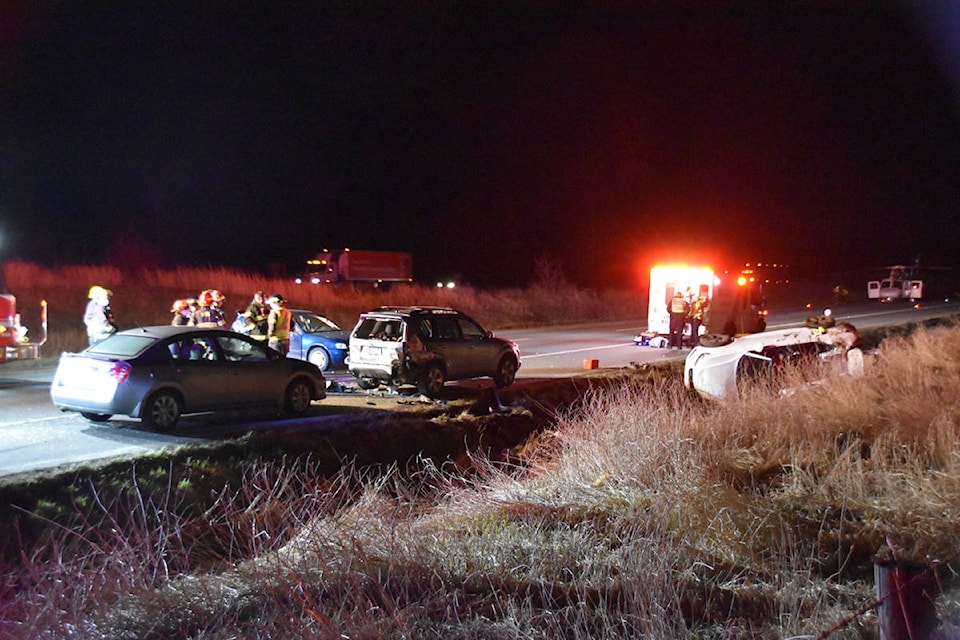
(159, 373)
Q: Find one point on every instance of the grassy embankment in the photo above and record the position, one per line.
(640, 513)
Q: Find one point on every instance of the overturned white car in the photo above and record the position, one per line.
(721, 366)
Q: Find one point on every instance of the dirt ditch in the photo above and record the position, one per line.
(365, 430)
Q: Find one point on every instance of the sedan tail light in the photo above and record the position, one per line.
(120, 371)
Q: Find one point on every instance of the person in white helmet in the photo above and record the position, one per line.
(98, 316)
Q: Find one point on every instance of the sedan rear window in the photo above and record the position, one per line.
(122, 346)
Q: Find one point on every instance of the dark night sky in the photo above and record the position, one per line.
(481, 136)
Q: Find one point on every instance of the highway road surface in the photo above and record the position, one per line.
(36, 436)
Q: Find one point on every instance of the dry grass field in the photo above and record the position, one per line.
(632, 510)
(144, 298)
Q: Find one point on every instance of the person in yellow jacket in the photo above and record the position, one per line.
(278, 324)
(699, 315)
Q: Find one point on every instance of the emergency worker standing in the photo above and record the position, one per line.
(679, 309)
(208, 315)
(219, 300)
(698, 316)
(256, 317)
(181, 313)
(98, 317)
(278, 324)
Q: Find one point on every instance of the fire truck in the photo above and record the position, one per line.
(737, 304)
(15, 344)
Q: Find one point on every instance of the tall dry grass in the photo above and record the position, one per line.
(642, 514)
(144, 297)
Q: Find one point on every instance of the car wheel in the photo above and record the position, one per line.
(367, 383)
(715, 339)
(319, 357)
(96, 417)
(298, 397)
(431, 381)
(161, 411)
(506, 372)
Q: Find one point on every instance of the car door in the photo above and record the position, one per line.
(199, 372)
(297, 348)
(247, 367)
(479, 352)
(447, 342)
(753, 368)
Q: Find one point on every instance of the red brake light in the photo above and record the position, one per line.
(120, 371)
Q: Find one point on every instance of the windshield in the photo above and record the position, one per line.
(122, 346)
(312, 323)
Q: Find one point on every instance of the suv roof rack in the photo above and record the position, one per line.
(412, 309)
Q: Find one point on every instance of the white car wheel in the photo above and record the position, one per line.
(318, 356)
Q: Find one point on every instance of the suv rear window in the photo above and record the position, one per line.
(378, 329)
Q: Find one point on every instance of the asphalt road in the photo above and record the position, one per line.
(36, 436)
(561, 351)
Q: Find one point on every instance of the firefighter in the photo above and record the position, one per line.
(256, 317)
(698, 316)
(182, 312)
(679, 309)
(278, 324)
(98, 316)
(208, 315)
(219, 300)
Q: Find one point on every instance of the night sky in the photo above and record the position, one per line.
(481, 137)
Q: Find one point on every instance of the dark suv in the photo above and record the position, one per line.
(427, 346)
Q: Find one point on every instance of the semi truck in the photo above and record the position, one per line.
(377, 268)
(736, 299)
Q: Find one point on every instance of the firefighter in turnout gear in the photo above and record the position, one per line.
(679, 309)
(209, 314)
(98, 317)
(182, 312)
(256, 317)
(699, 315)
(278, 324)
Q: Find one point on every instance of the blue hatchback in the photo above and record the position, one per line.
(318, 340)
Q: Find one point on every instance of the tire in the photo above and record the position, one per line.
(715, 339)
(506, 372)
(297, 398)
(96, 417)
(318, 356)
(161, 411)
(431, 381)
(367, 383)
